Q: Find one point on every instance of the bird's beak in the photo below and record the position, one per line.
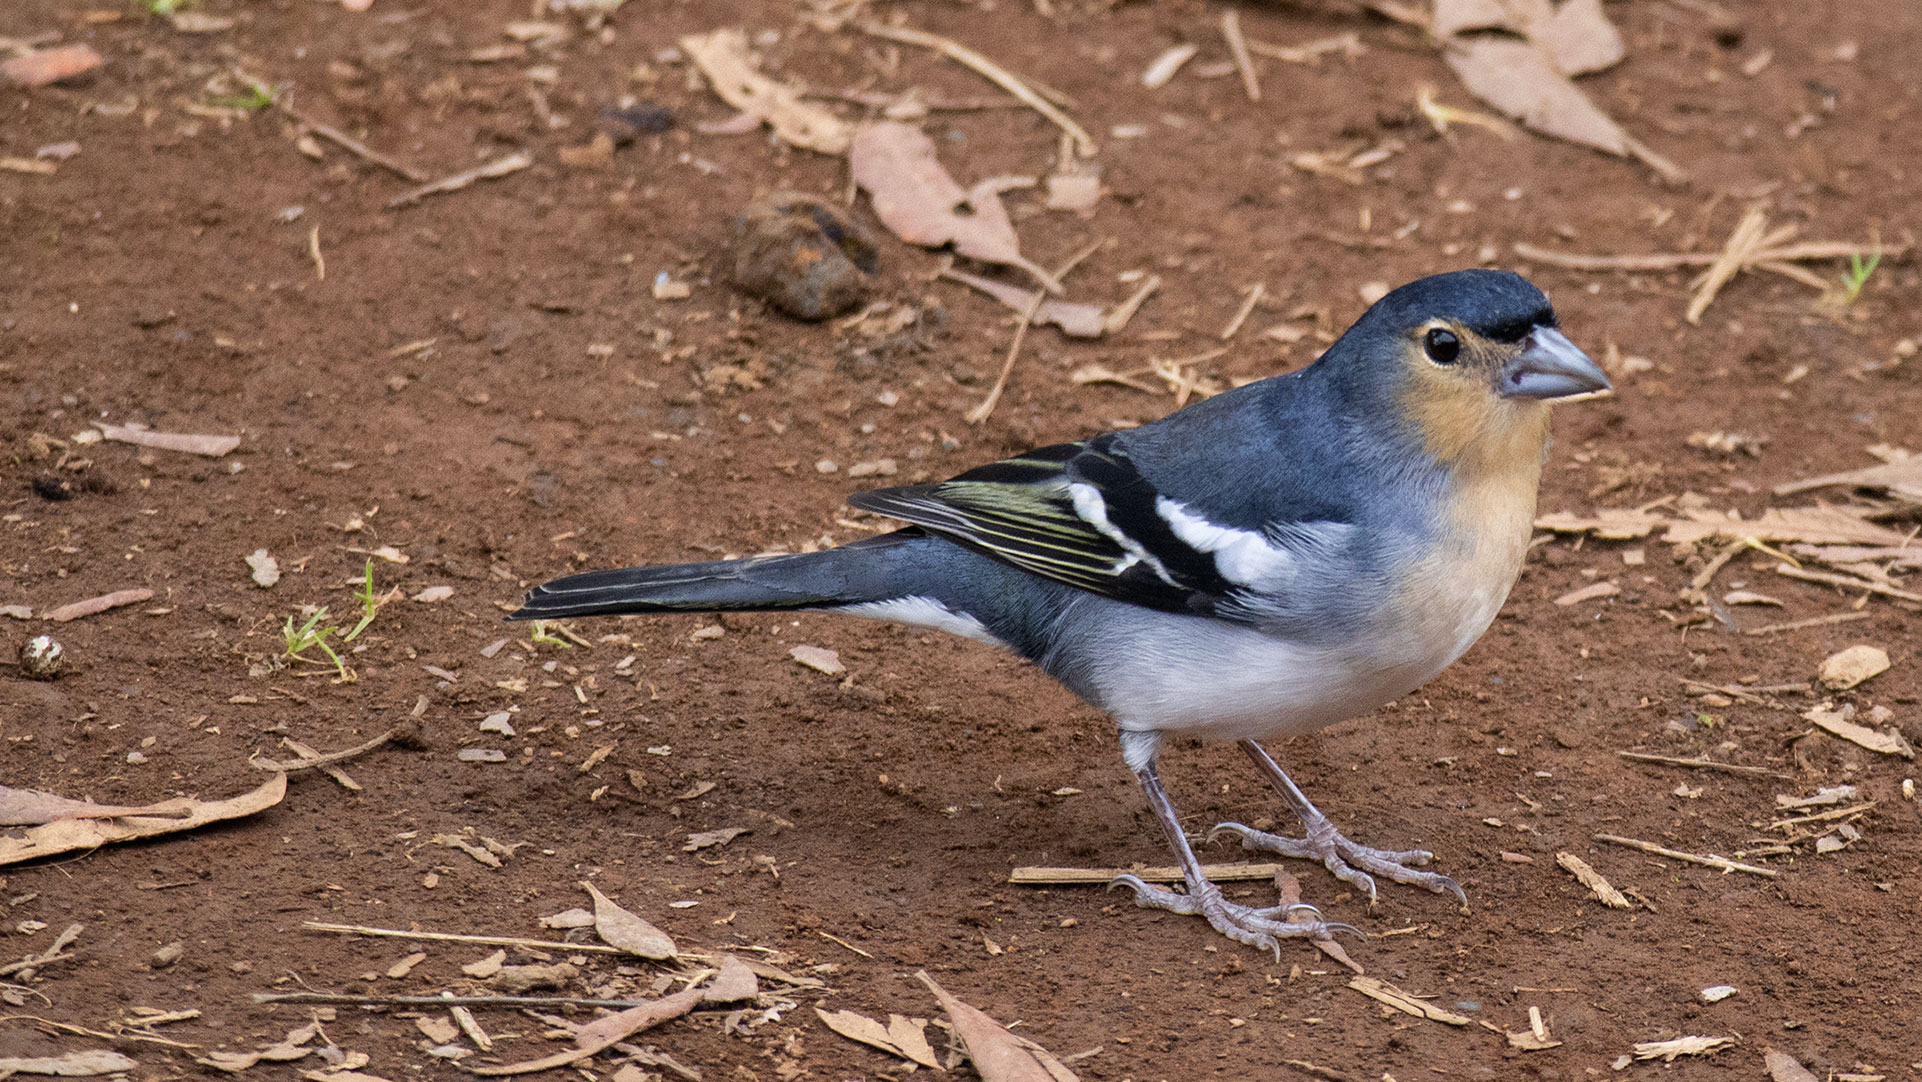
(1551, 368)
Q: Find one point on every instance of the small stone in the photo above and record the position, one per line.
(1840, 672)
(169, 954)
(803, 256)
(42, 657)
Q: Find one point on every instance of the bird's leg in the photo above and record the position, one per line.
(1256, 927)
(1350, 863)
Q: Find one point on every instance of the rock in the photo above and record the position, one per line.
(1840, 672)
(803, 256)
(42, 657)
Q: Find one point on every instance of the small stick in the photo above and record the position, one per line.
(499, 167)
(842, 942)
(1723, 863)
(1741, 693)
(1700, 764)
(1822, 817)
(1118, 318)
(1255, 293)
(994, 73)
(1848, 581)
(351, 145)
(288, 766)
(1824, 249)
(451, 937)
(444, 1001)
(313, 249)
(1814, 621)
(1079, 877)
(980, 412)
(1238, 48)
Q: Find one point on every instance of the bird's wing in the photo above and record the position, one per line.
(1080, 514)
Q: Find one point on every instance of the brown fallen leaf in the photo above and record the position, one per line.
(211, 446)
(900, 1037)
(706, 838)
(100, 604)
(1593, 591)
(1681, 1046)
(31, 807)
(605, 1032)
(619, 928)
(1837, 723)
(1842, 671)
(723, 57)
(287, 1049)
(45, 67)
(67, 835)
(91, 1061)
(1901, 474)
(1075, 320)
(917, 199)
(998, 1055)
(734, 982)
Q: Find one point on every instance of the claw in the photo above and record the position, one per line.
(1243, 924)
(1346, 860)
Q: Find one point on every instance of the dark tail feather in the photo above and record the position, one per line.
(846, 575)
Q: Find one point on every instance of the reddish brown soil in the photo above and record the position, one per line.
(149, 280)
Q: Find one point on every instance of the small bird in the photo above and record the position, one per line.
(1264, 563)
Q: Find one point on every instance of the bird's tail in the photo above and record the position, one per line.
(848, 575)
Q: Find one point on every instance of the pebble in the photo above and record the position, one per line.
(803, 256)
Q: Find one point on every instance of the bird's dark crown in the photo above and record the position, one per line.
(1499, 305)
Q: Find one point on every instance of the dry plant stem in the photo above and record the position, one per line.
(994, 73)
(1255, 293)
(124, 1035)
(345, 998)
(1738, 252)
(1700, 764)
(1711, 861)
(1813, 621)
(1850, 812)
(330, 758)
(1845, 581)
(1077, 877)
(1238, 48)
(451, 937)
(1125, 311)
(353, 146)
(499, 167)
(982, 411)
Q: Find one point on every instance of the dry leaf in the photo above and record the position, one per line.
(1681, 1046)
(433, 594)
(1844, 670)
(1811, 525)
(91, 1061)
(734, 982)
(1836, 722)
(998, 1055)
(706, 838)
(211, 446)
(723, 57)
(1902, 475)
(619, 928)
(288, 1048)
(67, 835)
(99, 604)
(917, 199)
(1075, 320)
(1783, 1067)
(1404, 1002)
(31, 807)
(47, 66)
(605, 1032)
(1593, 880)
(1521, 79)
(1576, 34)
(900, 1037)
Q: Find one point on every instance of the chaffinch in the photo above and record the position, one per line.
(1266, 562)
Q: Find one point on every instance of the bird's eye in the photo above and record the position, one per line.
(1442, 346)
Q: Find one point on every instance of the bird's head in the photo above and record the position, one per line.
(1469, 361)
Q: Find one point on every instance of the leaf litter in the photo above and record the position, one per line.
(68, 835)
(619, 928)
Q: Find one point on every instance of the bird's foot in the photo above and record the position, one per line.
(1263, 928)
(1348, 861)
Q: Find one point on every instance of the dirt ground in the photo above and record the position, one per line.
(487, 382)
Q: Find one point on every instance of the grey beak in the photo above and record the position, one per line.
(1550, 367)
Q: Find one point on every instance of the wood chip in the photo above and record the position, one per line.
(100, 604)
(1783, 1067)
(1593, 880)
(1681, 1046)
(1591, 592)
(1837, 723)
(1404, 1002)
(211, 446)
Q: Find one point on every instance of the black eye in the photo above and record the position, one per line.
(1442, 346)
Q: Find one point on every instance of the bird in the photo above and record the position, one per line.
(1285, 555)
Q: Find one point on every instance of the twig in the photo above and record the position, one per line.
(1238, 48)
(1822, 817)
(1813, 621)
(1078, 877)
(994, 73)
(1738, 252)
(1723, 863)
(981, 411)
(444, 1001)
(1255, 293)
(351, 145)
(1848, 581)
(1699, 764)
(451, 937)
(1118, 318)
(1308, 52)
(313, 249)
(499, 167)
(842, 942)
(123, 1035)
(288, 766)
